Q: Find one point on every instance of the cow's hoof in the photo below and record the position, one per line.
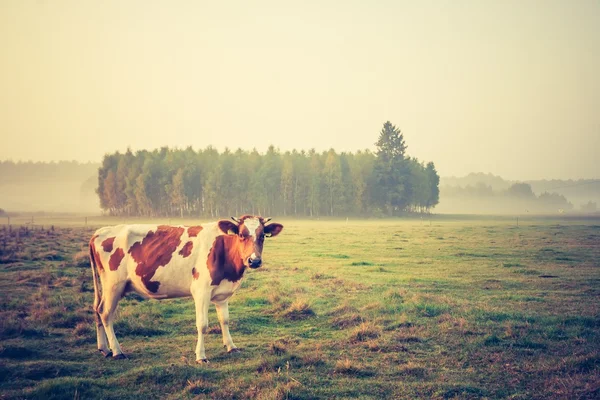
(106, 353)
(234, 350)
(202, 361)
(120, 357)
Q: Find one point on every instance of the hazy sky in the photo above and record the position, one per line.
(500, 86)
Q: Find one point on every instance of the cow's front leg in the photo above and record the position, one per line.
(202, 301)
(223, 313)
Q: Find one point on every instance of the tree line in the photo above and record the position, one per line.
(185, 182)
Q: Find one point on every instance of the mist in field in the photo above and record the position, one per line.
(64, 187)
(479, 193)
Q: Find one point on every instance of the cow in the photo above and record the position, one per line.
(206, 262)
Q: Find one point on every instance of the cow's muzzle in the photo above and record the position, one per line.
(254, 262)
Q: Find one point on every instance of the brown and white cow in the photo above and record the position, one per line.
(206, 262)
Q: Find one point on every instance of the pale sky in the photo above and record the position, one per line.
(510, 87)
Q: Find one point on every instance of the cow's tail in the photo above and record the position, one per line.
(97, 287)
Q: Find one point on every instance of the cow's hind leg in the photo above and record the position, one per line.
(101, 334)
(109, 302)
(223, 314)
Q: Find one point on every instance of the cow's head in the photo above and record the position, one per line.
(251, 232)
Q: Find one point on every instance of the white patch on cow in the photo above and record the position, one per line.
(252, 224)
(224, 291)
(253, 256)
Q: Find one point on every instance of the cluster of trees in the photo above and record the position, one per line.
(174, 182)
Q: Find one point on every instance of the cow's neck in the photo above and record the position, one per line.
(233, 267)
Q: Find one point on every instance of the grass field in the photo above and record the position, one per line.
(360, 309)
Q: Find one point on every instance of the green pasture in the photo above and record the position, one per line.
(448, 308)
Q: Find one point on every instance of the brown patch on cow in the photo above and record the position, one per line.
(193, 231)
(155, 250)
(186, 250)
(224, 261)
(96, 256)
(107, 244)
(115, 259)
(195, 273)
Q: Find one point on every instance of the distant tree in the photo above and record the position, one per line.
(361, 170)
(287, 183)
(301, 182)
(332, 178)
(391, 173)
(314, 188)
(433, 180)
(178, 197)
(2, 212)
(590, 207)
(521, 190)
(554, 202)
(110, 192)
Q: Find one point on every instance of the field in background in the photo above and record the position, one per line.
(471, 308)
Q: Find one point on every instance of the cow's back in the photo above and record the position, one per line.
(155, 260)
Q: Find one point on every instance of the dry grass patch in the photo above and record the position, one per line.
(371, 306)
(197, 386)
(277, 348)
(409, 335)
(299, 309)
(365, 331)
(81, 259)
(347, 321)
(83, 329)
(412, 369)
(395, 294)
(314, 358)
(344, 308)
(347, 366)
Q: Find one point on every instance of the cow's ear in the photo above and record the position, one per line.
(273, 229)
(225, 226)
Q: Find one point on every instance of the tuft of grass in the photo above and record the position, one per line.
(361, 263)
(347, 321)
(511, 264)
(431, 310)
(365, 331)
(395, 294)
(347, 366)
(16, 352)
(197, 387)
(413, 370)
(352, 368)
(83, 329)
(81, 259)
(319, 276)
(277, 348)
(299, 309)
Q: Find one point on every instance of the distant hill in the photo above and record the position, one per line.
(65, 186)
(496, 182)
(483, 193)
